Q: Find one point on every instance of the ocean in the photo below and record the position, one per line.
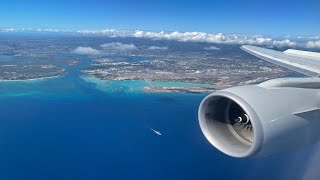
(69, 128)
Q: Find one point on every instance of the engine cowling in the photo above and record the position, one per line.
(259, 120)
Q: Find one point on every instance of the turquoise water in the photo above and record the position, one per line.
(112, 86)
(51, 87)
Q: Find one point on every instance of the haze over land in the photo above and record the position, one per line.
(122, 57)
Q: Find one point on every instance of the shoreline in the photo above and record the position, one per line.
(33, 79)
(172, 89)
(151, 86)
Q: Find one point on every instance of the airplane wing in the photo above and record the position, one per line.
(305, 62)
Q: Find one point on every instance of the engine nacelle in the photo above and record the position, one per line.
(260, 119)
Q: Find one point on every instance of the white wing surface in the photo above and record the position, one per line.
(305, 62)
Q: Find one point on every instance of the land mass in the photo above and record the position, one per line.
(23, 71)
(134, 59)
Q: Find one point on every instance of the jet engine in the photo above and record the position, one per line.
(257, 120)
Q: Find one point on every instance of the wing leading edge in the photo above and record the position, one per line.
(307, 63)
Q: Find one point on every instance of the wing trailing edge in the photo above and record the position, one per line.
(304, 62)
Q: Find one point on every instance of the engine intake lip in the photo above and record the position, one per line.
(226, 143)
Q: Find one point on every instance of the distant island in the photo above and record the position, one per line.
(19, 71)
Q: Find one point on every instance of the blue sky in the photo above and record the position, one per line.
(267, 17)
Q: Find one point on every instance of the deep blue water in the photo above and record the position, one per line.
(69, 128)
(91, 134)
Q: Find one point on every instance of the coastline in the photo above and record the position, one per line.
(175, 89)
(148, 86)
(33, 79)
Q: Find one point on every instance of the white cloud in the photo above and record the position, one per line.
(48, 30)
(119, 46)
(8, 30)
(261, 41)
(215, 38)
(308, 37)
(211, 48)
(86, 51)
(288, 41)
(218, 38)
(157, 48)
(313, 44)
(284, 43)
